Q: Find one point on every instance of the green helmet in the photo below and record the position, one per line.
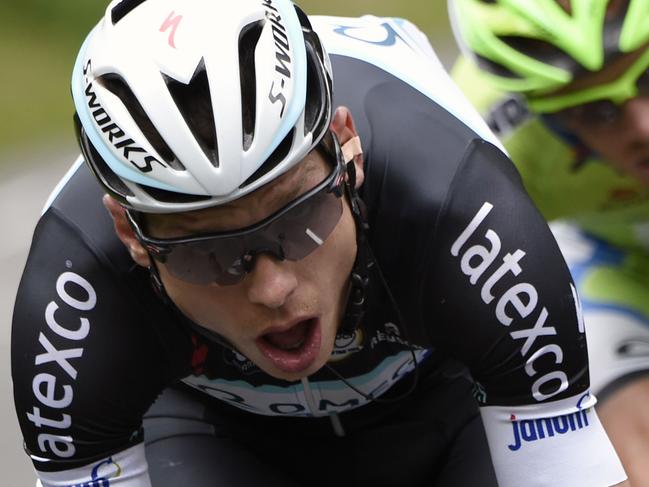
(537, 46)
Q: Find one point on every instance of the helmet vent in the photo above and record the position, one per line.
(493, 67)
(118, 87)
(247, 44)
(617, 10)
(317, 100)
(319, 86)
(566, 5)
(171, 196)
(123, 8)
(275, 158)
(544, 52)
(194, 102)
(615, 16)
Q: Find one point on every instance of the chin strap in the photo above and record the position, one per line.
(356, 303)
(161, 292)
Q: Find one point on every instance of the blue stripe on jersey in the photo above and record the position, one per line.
(275, 400)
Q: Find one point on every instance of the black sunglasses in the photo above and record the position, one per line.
(224, 258)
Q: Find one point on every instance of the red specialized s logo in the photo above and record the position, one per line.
(172, 21)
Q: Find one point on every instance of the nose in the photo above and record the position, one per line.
(271, 281)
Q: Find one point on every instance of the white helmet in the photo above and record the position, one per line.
(187, 105)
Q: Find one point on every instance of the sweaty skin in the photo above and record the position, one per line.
(276, 295)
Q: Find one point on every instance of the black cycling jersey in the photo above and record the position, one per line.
(474, 270)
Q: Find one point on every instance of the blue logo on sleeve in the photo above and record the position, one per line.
(104, 480)
(531, 430)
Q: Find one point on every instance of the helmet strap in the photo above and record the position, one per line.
(161, 292)
(364, 264)
(359, 278)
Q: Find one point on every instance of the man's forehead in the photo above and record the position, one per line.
(292, 180)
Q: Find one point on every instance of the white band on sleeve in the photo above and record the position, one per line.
(124, 469)
(560, 443)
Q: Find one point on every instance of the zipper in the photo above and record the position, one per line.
(336, 424)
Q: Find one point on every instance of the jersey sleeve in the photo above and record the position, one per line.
(87, 360)
(506, 306)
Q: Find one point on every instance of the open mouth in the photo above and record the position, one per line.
(294, 349)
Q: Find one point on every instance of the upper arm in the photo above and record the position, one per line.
(501, 280)
(507, 307)
(85, 362)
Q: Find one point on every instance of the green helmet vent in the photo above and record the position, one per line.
(537, 46)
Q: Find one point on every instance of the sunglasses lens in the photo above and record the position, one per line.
(293, 236)
(208, 261)
(596, 113)
(306, 227)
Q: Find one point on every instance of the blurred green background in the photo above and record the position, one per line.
(39, 40)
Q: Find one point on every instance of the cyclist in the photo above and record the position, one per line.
(281, 294)
(564, 84)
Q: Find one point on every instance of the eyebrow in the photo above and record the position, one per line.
(279, 199)
(280, 196)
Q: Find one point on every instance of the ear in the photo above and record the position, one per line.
(342, 124)
(125, 232)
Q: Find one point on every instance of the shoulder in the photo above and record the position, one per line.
(76, 203)
(415, 124)
(79, 301)
(75, 240)
(398, 49)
